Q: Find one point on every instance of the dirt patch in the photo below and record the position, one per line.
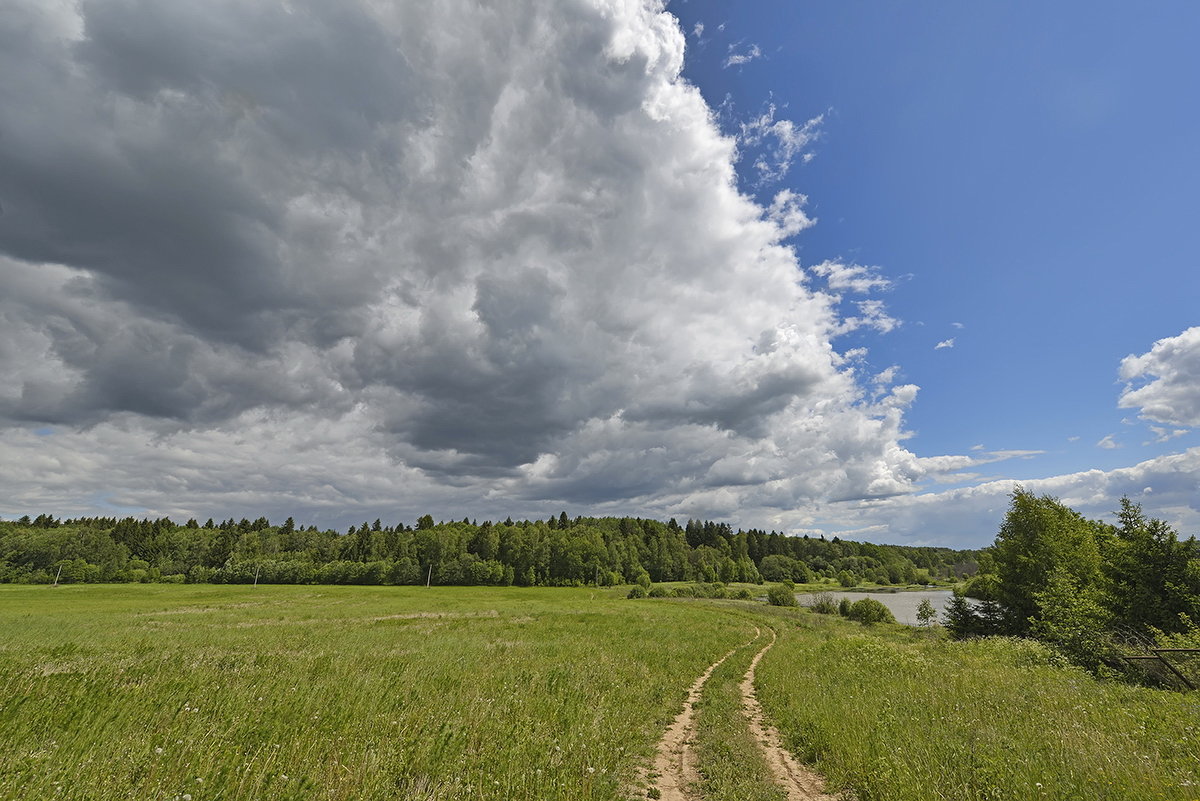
(800, 783)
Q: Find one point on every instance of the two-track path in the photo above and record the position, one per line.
(675, 760)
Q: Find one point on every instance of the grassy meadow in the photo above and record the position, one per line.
(165, 692)
(192, 692)
(900, 715)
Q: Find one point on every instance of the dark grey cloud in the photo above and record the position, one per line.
(446, 250)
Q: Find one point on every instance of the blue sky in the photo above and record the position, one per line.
(347, 261)
(1025, 170)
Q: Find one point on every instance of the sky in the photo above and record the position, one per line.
(816, 267)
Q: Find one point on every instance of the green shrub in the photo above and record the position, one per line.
(868, 611)
(823, 604)
(780, 595)
(637, 591)
(658, 592)
(844, 607)
(743, 594)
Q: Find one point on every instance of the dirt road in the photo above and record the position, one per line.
(675, 773)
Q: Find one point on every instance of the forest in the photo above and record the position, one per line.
(559, 551)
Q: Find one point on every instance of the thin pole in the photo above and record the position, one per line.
(429, 575)
(56, 575)
(257, 568)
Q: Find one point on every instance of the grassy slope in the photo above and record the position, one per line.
(339, 692)
(901, 716)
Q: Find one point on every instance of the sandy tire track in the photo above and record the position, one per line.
(674, 770)
(800, 783)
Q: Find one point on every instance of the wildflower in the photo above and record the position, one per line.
(158, 750)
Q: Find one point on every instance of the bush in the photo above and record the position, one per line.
(868, 611)
(637, 591)
(658, 592)
(780, 595)
(844, 607)
(743, 594)
(823, 604)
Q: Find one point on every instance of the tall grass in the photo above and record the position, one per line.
(899, 715)
(217, 692)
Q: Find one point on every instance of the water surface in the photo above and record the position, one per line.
(903, 604)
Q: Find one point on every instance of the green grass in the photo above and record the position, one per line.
(898, 715)
(154, 692)
(232, 692)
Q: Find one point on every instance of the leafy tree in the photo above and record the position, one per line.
(1071, 617)
(1039, 538)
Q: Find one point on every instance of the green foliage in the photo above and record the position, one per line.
(1079, 585)
(869, 610)
(1040, 538)
(1071, 618)
(926, 614)
(960, 620)
(984, 587)
(1153, 576)
(559, 551)
(637, 591)
(824, 604)
(844, 606)
(781, 595)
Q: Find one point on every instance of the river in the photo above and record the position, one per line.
(903, 604)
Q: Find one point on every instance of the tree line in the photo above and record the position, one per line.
(1093, 590)
(559, 551)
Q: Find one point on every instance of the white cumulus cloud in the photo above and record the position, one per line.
(1164, 384)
